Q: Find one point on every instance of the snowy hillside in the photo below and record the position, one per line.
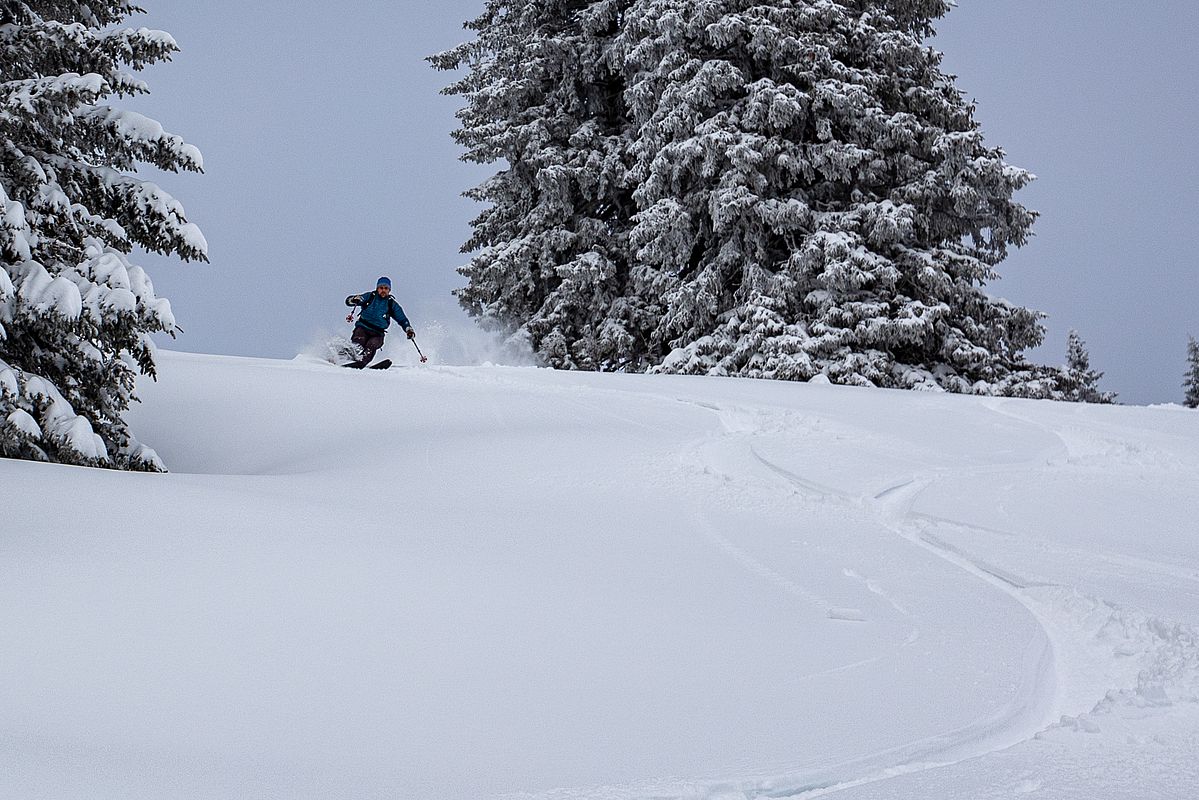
(462, 583)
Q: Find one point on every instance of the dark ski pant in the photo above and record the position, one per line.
(369, 343)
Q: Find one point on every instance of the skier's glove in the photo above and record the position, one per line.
(411, 333)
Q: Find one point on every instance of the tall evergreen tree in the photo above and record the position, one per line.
(823, 197)
(1079, 383)
(773, 190)
(1192, 380)
(543, 95)
(75, 314)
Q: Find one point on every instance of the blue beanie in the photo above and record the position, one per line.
(384, 282)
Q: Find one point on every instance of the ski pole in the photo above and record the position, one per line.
(418, 352)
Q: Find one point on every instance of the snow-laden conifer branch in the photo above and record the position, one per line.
(75, 314)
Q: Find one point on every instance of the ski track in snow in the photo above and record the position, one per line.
(1067, 619)
(1024, 719)
(761, 570)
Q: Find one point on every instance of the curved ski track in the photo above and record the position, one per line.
(1040, 701)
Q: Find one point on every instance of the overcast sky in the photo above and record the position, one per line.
(329, 163)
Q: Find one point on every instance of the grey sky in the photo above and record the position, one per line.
(329, 163)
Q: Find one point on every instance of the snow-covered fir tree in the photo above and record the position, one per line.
(1079, 383)
(823, 198)
(776, 190)
(1192, 380)
(75, 314)
(543, 92)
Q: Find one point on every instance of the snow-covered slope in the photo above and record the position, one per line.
(463, 583)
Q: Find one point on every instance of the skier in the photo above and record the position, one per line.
(378, 309)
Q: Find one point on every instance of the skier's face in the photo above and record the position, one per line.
(383, 291)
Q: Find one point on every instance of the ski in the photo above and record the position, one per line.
(385, 364)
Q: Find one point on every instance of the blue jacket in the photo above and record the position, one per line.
(378, 313)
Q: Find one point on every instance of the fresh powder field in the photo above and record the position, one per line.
(457, 583)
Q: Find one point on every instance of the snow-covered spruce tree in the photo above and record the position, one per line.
(815, 196)
(1079, 383)
(75, 314)
(1192, 380)
(543, 89)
